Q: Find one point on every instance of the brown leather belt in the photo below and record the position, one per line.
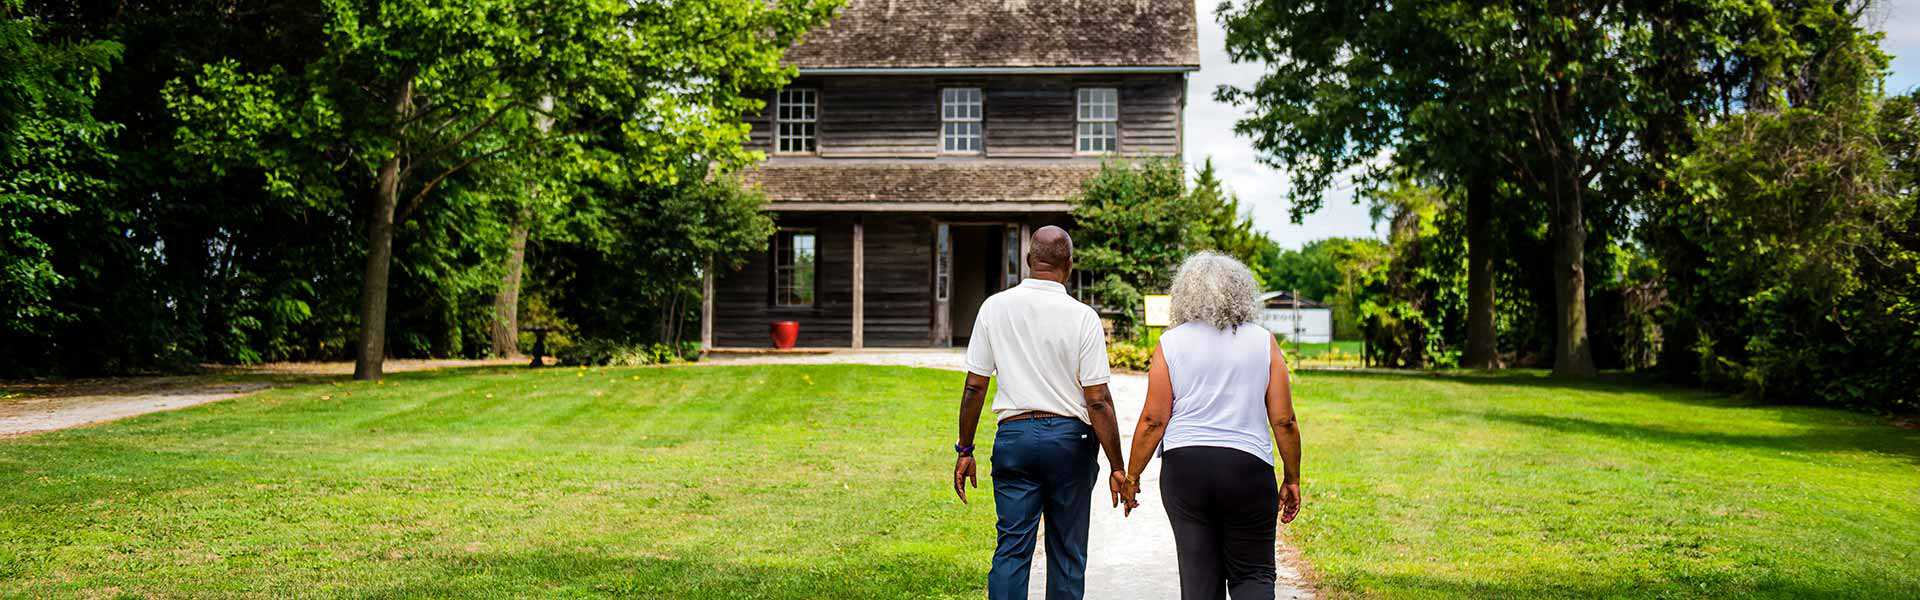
(1033, 414)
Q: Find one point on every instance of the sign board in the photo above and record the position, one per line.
(1159, 310)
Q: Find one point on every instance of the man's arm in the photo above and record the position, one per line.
(1106, 427)
(1286, 432)
(972, 398)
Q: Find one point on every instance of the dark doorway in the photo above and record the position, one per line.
(976, 274)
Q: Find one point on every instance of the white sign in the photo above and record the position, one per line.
(1159, 310)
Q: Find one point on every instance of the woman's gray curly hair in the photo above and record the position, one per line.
(1214, 289)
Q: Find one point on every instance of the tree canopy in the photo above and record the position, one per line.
(404, 95)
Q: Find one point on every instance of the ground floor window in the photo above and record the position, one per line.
(794, 257)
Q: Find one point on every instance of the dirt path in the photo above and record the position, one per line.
(1130, 557)
(30, 407)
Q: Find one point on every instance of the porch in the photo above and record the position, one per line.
(856, 280)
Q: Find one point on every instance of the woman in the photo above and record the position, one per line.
(1216, 388)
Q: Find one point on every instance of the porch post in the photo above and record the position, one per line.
(706, 306)
(1026, 245)
(859, 284)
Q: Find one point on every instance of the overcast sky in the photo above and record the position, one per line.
(1209, 129)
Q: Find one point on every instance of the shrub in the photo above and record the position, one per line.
(603, 352)
(600, 352)
(1129, 356)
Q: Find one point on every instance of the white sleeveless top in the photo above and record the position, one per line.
(1219, 387)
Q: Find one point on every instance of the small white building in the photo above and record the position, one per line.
(1304, 321)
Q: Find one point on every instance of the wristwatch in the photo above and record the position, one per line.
(963, 449)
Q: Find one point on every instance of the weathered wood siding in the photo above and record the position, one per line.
(1025, 116)
(743, 300)
(899, 281)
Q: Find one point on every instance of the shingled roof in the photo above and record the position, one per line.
(1042, 186)
(1003, 33)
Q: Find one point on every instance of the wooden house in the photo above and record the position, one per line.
(921, 144)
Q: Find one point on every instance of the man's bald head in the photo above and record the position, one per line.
(1051, 252)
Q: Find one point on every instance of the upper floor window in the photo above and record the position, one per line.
(793, 268)
(1099, 120)
(960, 120)
(795, 113)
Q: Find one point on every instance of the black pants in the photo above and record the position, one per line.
(1224, 506)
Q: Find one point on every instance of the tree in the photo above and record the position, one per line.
(1547, 95)
(1408, 291)
(645, 250)
(405, 95)
(50, 148)
(505, 330)
(1138, 220)
(1791, 244)
(1223, 227)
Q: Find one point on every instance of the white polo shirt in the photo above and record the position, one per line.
(1043, 346)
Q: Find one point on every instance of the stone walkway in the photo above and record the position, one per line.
(1130, 557)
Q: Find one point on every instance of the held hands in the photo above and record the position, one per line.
(1125, 490)
(963, 474)
(1289, 502)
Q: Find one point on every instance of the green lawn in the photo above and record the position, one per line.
(1519, 486)
(1312, 350)
(817, 482)
(830, 482)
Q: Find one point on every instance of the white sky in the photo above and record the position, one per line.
(1262, 189)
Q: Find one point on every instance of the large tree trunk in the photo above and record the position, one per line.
(372, 352)
(1482, 351)
(1572, 352)
(373, 286)
(506, 303)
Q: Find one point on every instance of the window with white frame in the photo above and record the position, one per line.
(793, 268)
(960, 120)
(1099, 120)
(795, 113)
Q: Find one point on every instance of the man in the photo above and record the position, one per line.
(1053, 406)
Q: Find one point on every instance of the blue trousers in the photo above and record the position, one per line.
(1042, 467)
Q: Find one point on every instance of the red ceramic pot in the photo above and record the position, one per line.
(785, 333)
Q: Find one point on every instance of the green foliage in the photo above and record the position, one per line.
(645, 251)
(51, 150)
(1129, 356)
(217, 210)
(1807, 289)
(1135, 222)
(603, 352)
(1323, 270)
(407, 104)
(1790, 252)
(1411, 293)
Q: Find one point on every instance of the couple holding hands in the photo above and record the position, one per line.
(1218, 403)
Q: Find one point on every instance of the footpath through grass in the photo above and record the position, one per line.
(830, 482)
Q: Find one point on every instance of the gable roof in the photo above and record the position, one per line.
(1285, 300)
(895, 34)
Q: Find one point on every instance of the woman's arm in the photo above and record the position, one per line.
(1286, 431)
(1153, 420)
